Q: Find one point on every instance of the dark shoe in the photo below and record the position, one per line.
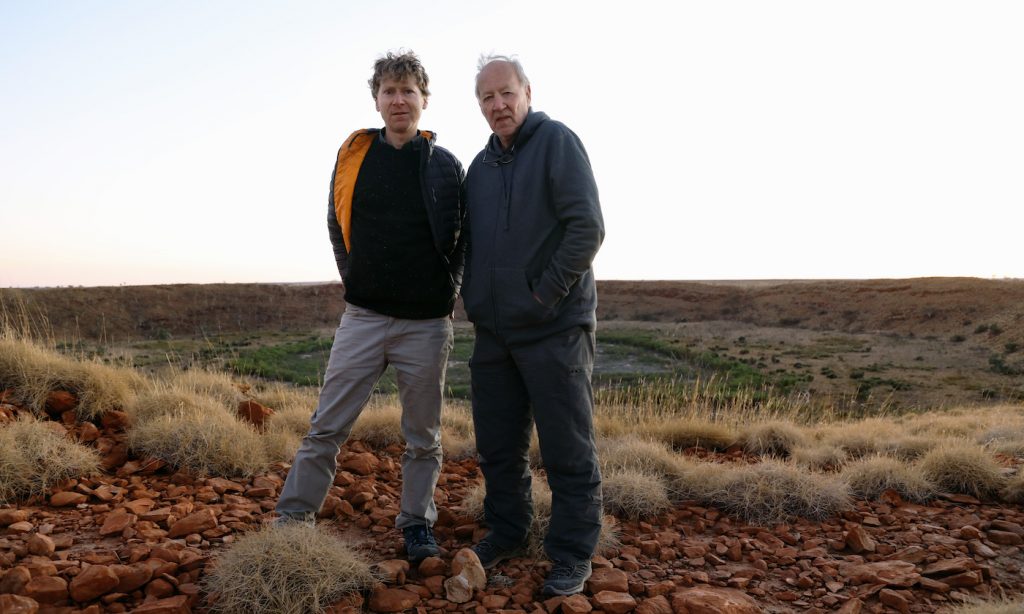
(490, 554)
(287, 520)
(567, 578)
(419, 543)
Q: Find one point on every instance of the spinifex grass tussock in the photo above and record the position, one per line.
(215, 444)
(380, 425)
(775, 438)
(687, 432)
(773, 491)
(633, 493)
(910, 447)
(963, 467)
(1013, 492)
(632, 453)
(280, 445)
(33, 371)
(168, 400)
(819, 457)
(292, 419)
(294, 569)
(695, 480)
(281, 397)
(997, 606)
(457, 437)
(861, 438)
(33, 458)
(214, 384)
(870, 477)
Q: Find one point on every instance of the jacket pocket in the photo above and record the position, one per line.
(515, 304)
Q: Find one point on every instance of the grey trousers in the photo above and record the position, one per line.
(365, 343)
(548, 384)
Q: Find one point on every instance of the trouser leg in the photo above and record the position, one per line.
(356, 363)
(418, 350)
(557, 373)
(502, 421)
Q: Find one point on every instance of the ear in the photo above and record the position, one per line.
(425, 102)
(529, 95)
(376, 104)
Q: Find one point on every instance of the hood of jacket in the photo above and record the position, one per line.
(533, 121)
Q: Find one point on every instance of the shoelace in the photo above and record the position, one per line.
(566, 571)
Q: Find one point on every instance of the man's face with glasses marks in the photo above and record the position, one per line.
(503, 100)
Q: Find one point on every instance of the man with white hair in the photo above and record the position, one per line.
(535, 226)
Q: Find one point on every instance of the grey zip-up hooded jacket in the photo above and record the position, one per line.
(535, 226)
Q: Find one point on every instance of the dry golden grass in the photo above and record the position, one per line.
(775, 438)
(634, 493)
(633, 453)
(695, 480)
(33, 371)
(282, 397)
(380, 425)
(687, 432)
(772, 491)
(293, 419)
(218, 385)
(963, 467)
(168, 400)
(457, 437)
(33, 458)
(871, 476)
(819, 457)
(1013, 491)
(909, 447)
(861, 438)
(294, 569)
(997, 606)
(207, 444)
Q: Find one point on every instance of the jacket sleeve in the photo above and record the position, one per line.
(458, 260)
(334, 230)
(578, 209)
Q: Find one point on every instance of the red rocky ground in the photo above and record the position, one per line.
(139, 537)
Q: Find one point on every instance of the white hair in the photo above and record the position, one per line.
(488, 58)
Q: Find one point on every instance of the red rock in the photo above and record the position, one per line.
(115, 420)
(47, 589)
(950, 566)
(67, 498)
(965, 579)
(196, 522)
(467, 564)
(852, 606)
(608, 579)
(60, 401)
(432, 566)
(92, 582)
(41, 545)
(391, 600)
(16, 604)
(364, 463)
(131, 577)
(159, 588)
(1004, 538)
(713, 600)
(576, 604)
(254, 413)
(88, 432)
(9, 517)
(15, 579)
(139, 506)
(655, 605)
(933, 585)
(614, 602)
(457, 589)
(116, 522)
(890, 573)
(173, 605)
(392, 571)
(858, 540)
(494, 602)
(899, 600)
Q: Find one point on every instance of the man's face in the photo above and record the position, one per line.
(400, 103)
(504, 101)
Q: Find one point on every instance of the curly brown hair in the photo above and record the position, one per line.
(399, 66)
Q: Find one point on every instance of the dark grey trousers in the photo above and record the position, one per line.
(547, 383)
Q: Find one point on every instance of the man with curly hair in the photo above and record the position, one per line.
(395, 216)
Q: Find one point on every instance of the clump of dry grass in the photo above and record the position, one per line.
(997, 606)
(774, 438)
(1013, 491)
(910, 447)
(216, 443)
(633, 493)
(694, 480)
(168, 400)
(294, 569)
(217, 385)
(772, 491)
(380, 425)
(292, 419)
(820, 457)
(281, 397)
(687, 432)
(870, 477)
(633, 453)
(961, 467)
(32, 372)
(860, 439)
(457, 436)
(33, 458)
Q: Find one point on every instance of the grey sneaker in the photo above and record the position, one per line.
(567, 578)
(490, 553)
(419, 543)
(285, 520)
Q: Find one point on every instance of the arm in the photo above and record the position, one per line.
(458, 260)
(578, 209)
(337, 238)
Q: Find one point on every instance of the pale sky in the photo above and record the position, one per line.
(193, 141)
